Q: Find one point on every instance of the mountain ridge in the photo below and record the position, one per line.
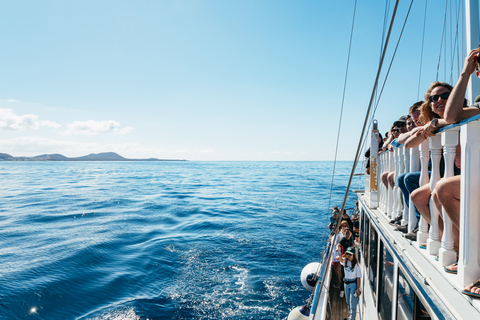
(103, 156)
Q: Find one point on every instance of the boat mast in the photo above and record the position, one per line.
(472, 26)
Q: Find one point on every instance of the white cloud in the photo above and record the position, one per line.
(9, 121)
(91, 127)
(193, 151)
(48, 123)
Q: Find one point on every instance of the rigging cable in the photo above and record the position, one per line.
(385, 24)
(328, 258)
(393, 58)
(455, 50)
(388, 71)
(309, 300)
(421, 54)
(343, 101)
(441, 44)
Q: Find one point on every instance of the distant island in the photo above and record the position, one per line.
(105, 156)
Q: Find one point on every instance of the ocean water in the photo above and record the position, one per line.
(161, 240)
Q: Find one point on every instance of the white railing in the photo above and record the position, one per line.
(390, 201)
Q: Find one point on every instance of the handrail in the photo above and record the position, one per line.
(446, 139)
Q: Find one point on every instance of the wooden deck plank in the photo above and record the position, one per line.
(337, 307)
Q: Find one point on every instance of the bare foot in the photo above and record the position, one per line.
(473, 289)
(452, 268)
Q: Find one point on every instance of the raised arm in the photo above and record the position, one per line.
(454, 111)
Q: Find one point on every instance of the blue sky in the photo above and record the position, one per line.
(203, 80)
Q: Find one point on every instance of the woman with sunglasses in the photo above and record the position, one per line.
(432, 116)
(353, 274)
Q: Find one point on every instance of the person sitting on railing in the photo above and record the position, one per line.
(367, 153)
(447, 191)
(398, 127)
(432, 114)
(407, 182)
(412, 180)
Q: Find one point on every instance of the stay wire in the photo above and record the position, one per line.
(455, 45)
(385, 24)
(328, 258)
(441, 44)
(309, 300)
(343, 102)
(421, 53)
(393, 58)
(389, 68)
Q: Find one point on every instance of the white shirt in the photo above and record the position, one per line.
(337, 252)
(349, 273)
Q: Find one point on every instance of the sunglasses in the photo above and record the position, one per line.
(437, 97)
(348, 254)
(395, 130)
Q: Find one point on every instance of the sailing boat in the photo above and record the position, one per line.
(400, 280)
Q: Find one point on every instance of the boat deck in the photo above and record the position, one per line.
(428, 277)
(337, 308)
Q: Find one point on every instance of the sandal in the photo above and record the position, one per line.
(476, 284)
(450, 269)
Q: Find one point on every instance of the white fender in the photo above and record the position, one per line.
(307, 272)
(299, 313)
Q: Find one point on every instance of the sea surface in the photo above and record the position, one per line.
(162, 240)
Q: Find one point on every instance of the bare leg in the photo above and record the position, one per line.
(420, 198)
(447, 194)
(385, 178)
(391, 178)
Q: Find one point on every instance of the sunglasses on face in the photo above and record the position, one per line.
(395, 130)
(400, 124)
(348, 254)
(437, 97)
